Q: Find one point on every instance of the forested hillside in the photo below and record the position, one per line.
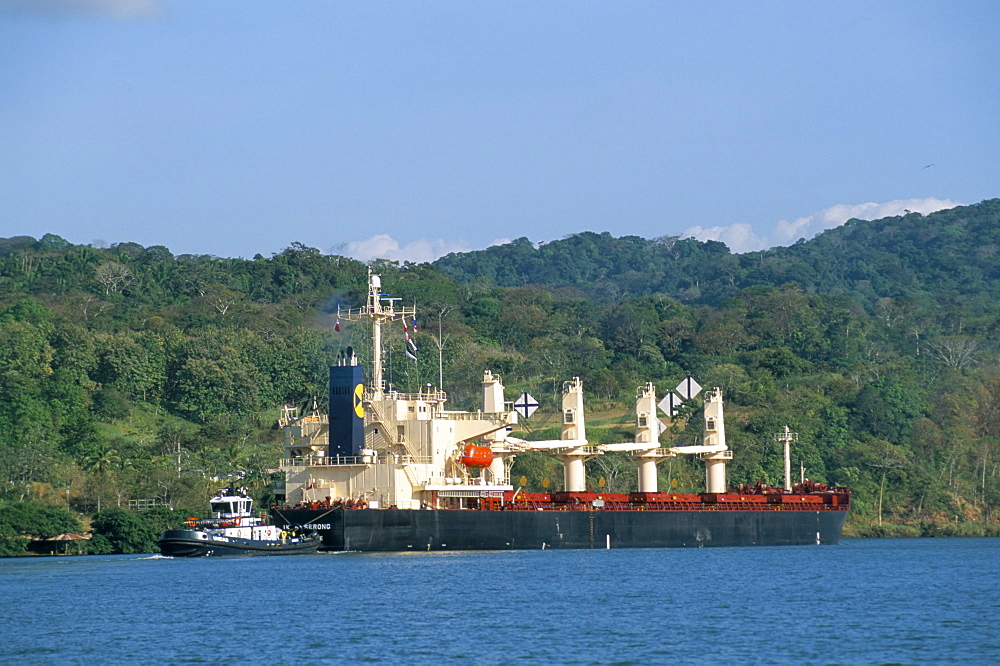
(951, 254)
(127, 372)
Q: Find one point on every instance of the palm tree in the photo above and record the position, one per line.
(100, 461)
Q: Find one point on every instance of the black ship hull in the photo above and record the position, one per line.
(196, 543)
(404, 530)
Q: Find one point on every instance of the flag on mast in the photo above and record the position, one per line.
(409, 341)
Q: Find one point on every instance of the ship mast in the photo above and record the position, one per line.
(379, 308)
(786, 438)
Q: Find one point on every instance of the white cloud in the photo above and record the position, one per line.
(741, 237)
(111, 9)
(738, 237)
(384, 246)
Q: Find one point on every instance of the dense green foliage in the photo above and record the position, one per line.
(120, 531)
(20, 522)
(127, 372)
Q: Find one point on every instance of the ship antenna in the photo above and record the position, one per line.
(379, 308)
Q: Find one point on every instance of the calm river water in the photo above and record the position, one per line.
(862, 602)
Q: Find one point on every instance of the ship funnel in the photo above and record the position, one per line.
(347, 412)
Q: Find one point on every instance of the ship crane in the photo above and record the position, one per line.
(646, 448)
(574, 450)
(713, 451)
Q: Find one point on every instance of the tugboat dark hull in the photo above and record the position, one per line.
(403, 530)
(196, 543)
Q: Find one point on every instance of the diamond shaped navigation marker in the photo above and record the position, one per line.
(661, 427)
(525, 405)
(688, 388)
(669, 404)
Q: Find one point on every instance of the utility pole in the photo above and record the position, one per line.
(439, 341)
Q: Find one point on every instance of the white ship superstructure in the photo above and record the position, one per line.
(409, 454)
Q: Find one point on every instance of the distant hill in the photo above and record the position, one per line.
(951, 253)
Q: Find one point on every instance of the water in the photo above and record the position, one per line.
(864, 601)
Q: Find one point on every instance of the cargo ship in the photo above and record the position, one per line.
(384, 470)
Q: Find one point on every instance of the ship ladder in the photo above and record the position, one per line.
(387, 432)
(409, 474)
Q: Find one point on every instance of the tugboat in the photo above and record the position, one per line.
(234, 529)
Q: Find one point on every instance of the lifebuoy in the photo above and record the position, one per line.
(236, 522)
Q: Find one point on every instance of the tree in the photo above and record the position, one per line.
(955, 351)
(102, 461)
(890, 406)
(53, 243)
(120, 531)
(133, 364)
(114, 276)
(885, 458)
(619, 471)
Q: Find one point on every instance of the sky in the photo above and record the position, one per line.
(407, 130)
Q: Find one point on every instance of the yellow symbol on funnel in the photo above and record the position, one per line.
(359, 408)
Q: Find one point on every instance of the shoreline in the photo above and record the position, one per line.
(920, 530)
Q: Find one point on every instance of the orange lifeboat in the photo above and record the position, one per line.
(477, 456)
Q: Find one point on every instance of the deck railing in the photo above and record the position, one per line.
(355, 461)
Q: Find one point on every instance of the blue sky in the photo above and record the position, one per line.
(410, 129)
